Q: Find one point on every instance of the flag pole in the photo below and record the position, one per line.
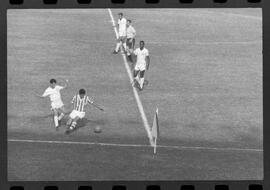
(155, 147)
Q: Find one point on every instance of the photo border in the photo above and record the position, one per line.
(164, 185)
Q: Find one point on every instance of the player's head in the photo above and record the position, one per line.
(128, 22)
(82, 93)
(141, 44)
(120, 15)
(52, 83)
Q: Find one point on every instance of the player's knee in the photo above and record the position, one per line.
(69, 121)
(76, 118)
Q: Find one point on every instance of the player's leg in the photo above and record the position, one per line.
(135, 73)
(135, 76)
(124, 42)
(71, 116)
(69, 121)
(79, 115)
(141, 81)
(55, 117)
(129, 45)
(133, 44)
(74, 123)
(118, 44)
(62, 112)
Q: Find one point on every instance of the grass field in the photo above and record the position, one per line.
(205, 77)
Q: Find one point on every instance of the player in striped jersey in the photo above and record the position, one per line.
(79, 102)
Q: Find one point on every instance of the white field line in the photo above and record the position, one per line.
(135, 145)
(138, 100)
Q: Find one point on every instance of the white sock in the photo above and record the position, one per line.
(74, 123)
(141, 82)
(60, 116)
(117, 46)
(55, 120)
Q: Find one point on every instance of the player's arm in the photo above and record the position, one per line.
(45, 94)
(66, 84)
(134, 32)
(134, 56)
(91, 101)
(73, 99)
(147, 62)
(40, 96)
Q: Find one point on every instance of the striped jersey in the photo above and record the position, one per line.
(79, 103)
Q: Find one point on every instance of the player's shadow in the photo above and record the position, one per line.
(87, 123)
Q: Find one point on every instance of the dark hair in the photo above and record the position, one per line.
(52, 81)
(120, 14)
(142, 41)
(82, 91)
(129, 21)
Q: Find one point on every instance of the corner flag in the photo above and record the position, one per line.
(155, 130)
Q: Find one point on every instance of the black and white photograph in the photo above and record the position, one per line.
(134, 94)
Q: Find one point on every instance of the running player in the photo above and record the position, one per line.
(122, 30)
(79, 101)
(142, 63)
(131, 33)
(57, 106)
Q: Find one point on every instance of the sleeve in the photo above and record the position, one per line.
(46, 93)
(90, 100)
(59, 88)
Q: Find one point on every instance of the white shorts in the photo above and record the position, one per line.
(76, 113)
(122, 33)
(140, 67)
(57, 105)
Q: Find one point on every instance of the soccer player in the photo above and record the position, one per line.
(57, 106)
(142, 63)
(122, 30)
(131, 33)
(79, 101)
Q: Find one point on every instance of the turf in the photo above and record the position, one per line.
(205, 77)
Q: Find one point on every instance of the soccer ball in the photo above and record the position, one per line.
(97, 129)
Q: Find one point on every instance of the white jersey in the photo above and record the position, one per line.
(122, 27)
(131, 32)
(141, 56)
(54, 94)
(79, 103)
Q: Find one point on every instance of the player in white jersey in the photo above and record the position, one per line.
(122, 31)
(57, 106)
(79, 102)
(142, 63)
(131, 33)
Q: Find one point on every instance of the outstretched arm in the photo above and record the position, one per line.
(40, 96)
(95, 105)
(66, 84)
(45, 94)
